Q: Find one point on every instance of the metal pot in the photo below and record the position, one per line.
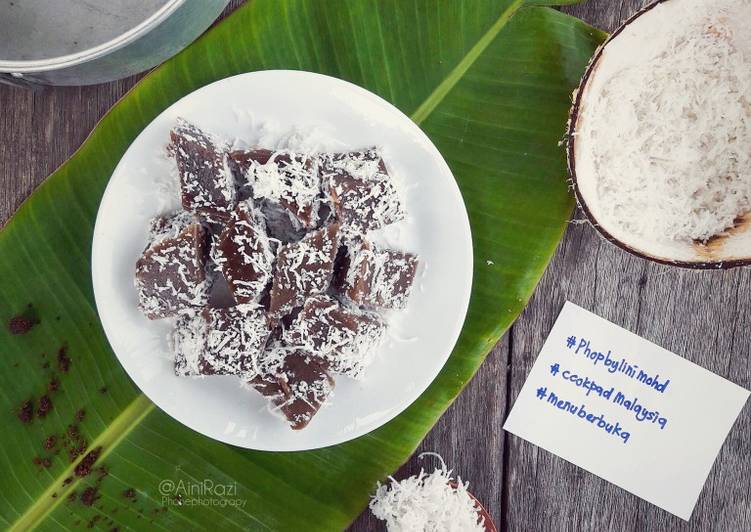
(82, 42)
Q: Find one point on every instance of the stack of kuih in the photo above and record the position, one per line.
(268, 268)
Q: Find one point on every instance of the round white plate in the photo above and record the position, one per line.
(304, 110)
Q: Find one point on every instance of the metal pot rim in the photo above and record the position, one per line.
(64, 61)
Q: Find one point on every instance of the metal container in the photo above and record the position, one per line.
(82, 42)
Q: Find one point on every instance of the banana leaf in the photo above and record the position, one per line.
(488, 80)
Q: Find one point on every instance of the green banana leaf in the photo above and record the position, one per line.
(488, 80)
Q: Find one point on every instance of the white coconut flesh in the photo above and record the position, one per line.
(661, 153)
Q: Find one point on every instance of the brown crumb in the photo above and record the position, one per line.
(26, 411)
(102, 472)
(45, 405)
(63, 360)
(130, 494)
(53, 385)
(103, 389)
(89, 496)
(42, 462)
(84, 467)
(50, 442)
(93, 521)
(67, 481)
(77, 448)
(77, 443)
(72, 497)
(80, 415)
(20, 324)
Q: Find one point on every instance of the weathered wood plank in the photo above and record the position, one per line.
(605, 14)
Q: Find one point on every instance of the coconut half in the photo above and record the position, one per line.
(659, 139)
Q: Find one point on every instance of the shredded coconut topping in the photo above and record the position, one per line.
(221, 341)
(170, 276)
(189, 344)
(364, 195)
(291, 180)
(206, 181)
(304, 268)
(670, 133)
(244, 255)
(427, 503)
(346, 338)
(379, 278)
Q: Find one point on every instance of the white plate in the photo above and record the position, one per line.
(329, 113)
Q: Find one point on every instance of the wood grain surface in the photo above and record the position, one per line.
(704, 316)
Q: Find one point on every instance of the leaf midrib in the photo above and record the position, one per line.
(141, 406)
(450, 81)
(108, 440)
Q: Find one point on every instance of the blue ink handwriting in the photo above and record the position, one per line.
(580, 412)
(621, 366)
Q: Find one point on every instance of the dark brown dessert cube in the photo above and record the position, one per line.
(171, 274)
(362, 191)
(243, 254)
(206, 182)
(303, 269)
(240, 162)
(189, 344)
(379, 278)
(284, 180)
(299, 387)
(226, 341)
(344, 338)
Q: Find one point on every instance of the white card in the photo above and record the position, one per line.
(626, 410)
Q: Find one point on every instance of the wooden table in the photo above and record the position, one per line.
(705, 317)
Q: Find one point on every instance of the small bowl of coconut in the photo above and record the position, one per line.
(659, 138)
(430, 502)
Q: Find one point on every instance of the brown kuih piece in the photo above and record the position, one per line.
(244, 256)
(378, 278)
(225, 341)
(303, 269)
(240, 162)
(171, 275)
(362, 191)
(298, 389)
(345, 338)
(285, 180)
(206, 182)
